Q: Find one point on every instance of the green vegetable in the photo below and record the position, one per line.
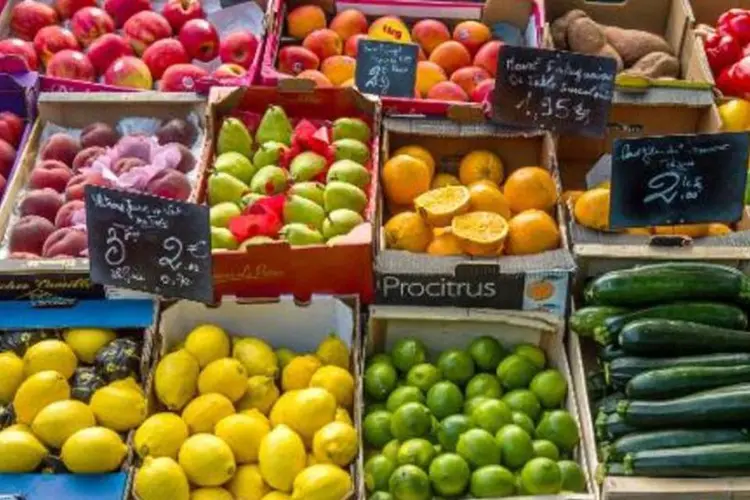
(713, 460)
(677, 438)
(608, 404)
(669, 383)
(585, 321)
(619, 371)
(661, 336)
(596, 384)
(612, 426)
(610, 352)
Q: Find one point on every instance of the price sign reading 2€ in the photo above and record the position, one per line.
(386, 68)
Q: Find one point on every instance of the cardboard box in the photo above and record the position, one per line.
(274, 269)
(442, 328)
(531, 282)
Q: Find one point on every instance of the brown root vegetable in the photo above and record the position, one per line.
(608, 51)
(559, 28)
(632, 45)
(656, 65)
(585, 36)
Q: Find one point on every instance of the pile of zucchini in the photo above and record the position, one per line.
(672, 395)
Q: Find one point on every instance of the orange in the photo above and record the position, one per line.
(592, 209)
(442, 180)
(532, 231)
(691, 230)
(480, 233)
(639, 231)
(444, 243)
(480, 165)
(487, 197)
(419, 153)
(404, 178)
(407, 231)
(439, 206)
(530, 187)
(717, 229)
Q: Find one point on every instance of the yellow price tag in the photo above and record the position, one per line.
(389, 29)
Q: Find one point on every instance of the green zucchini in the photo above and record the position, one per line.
(669, 383)
(596, 385)
(610, 352)
(586, 320)
(726, 388)
(668, 282)
(712, 460)
(619, 371)
(662, 336)
(608, 404)
(673, 438)
(612, 426)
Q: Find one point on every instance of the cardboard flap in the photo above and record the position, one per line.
(16, 314)
(55, 486)
(516, 12)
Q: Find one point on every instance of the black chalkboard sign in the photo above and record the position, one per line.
(678, 179)
(386, 68)
(149, 243)
(553, 90)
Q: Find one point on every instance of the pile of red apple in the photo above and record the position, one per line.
(125, 43)
(11, 130)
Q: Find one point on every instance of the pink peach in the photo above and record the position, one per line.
(28, 235)
(65, 242)
(42, 202)
(64, 217)
(50, 174)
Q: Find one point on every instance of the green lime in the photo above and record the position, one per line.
(373, 407)
(409, 482)
(533, 353)
(380, 380)
(478, 448)
(559, 427)
(515, 445)
(423, 376)
(492, 481)
(472, 403)
(412, 420)
(380, 495)
(419, 452)
(524, 422)
(445, 399)
(379, 358)
(449, 475)
(545, 448)
(377, 428)
(491, 415)
(541, 476)
(390, 450)
(572, 476)
(402, 395)
(407, 353)
(523, 400)
(451, 428)
(486, 353)
(456, 366)
(550, 387)
(516, 372)
(378, 470)
(484, 385)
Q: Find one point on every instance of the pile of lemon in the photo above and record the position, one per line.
(245, 421)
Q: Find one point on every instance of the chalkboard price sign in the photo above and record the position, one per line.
(559, 91)
(386, 68)
(678, 179)
(149, 243)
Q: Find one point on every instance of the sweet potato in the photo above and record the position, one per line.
(559, 28)
(585, 36)
(656, 65)
(632, 45)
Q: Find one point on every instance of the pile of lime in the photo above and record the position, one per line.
(482, 422)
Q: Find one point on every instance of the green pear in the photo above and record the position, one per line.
(300, 234)
(222, 237)
(351, 128)
(249, 198)
(299, 209)
(274, 126)
(270, 180)
(255, 240)
(340, 222)
(221, 213)
(342, 195)
(305, 166)
(234, 137)
(224, 187)
(349, 171)
(351, 149)
(313, 191)
(236, 165)
(269, 153)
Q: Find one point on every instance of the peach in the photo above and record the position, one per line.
(429, 74)
(468, 78)
(7, 158)
(181, 78)
(98, 134)
(239, 48)
(482, 90)
(229, 70)
(316, 76)
(429, 33)
(129, 71)
(338, 69)
(178, 12)
(350, 47)
(144, 28)
(29, 234)
(122, 10)
(43, 202)
(124, 165)
(66, 8)
(52, 39)
(87, 157)
(447, 91)
(200, 39)
(64, 217)
(89, 23)
(187, 160)
(11, 128)
(169, 183)
(71, 64)
(304, 20)
(176, 130)
(451, 56)
(20, 48)
(323, 43)
(107, 49)
(61, 147)
(28, 17)
(472, 34)
(75, 188)
(487, 56)
(348, 23)
(162, 54)
(294, 60)
(65, 242)
(50, 174)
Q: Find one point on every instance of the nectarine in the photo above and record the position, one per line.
(52, 39)
(451, 56)
(144, 28)
(21, 49)
(28, 17)
(429, 33)
(323, 43)
(304, 20)
(107, 49)
(89, 23)
(129, 71)
(181, 78)
(348, 23)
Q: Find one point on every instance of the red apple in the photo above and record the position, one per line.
(229, 70)
(164, 53)
(11, 128)
(106, 50)
(178, 12)
(52, 39)
(66, 8)
(71, 64)
(122, 10)
(20, 48)
(131, 72)
(200, 39)
(145, 28)
(239, 48)
(28, 17)
(89, 23)
(181, 78)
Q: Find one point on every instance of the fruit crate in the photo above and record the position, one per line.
(524, 19)
(273, 269)
(529, 282)
(442, 328)
(129, 319)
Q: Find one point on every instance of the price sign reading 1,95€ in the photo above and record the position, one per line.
(678, 179)
(558, 91)
(386, 68)
(149, 243)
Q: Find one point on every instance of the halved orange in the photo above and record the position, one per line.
(439, 206)
(481, 233)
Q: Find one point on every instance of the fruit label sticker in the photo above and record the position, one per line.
(386, 68)
(553, 90)
(148, 243)
(678, 179)
(546, 292)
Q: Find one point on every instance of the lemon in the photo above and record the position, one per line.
(305, 411)
(311, 460)
(224, 376)
(176, 379)
(321, 482)
(86, 342)
(333, 351)
(281, 457)
(207, 343)
(129, 384)
(160, 435)
(256, 356)
(248, 484)
(50, 355)
(299, 371)
(38, 391)
(335, 443)
(19, 427)
(261, 393)
(204, 412)
(207, 460)
(276, 495)
(257, 414)
(337, 381)
(57, 421)
(118, 409)
(20, 451)
(159, 478)
(342, 415)
(94, 450)
(284, 356)
(211, 494)
(243, 433)
(11, 366)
